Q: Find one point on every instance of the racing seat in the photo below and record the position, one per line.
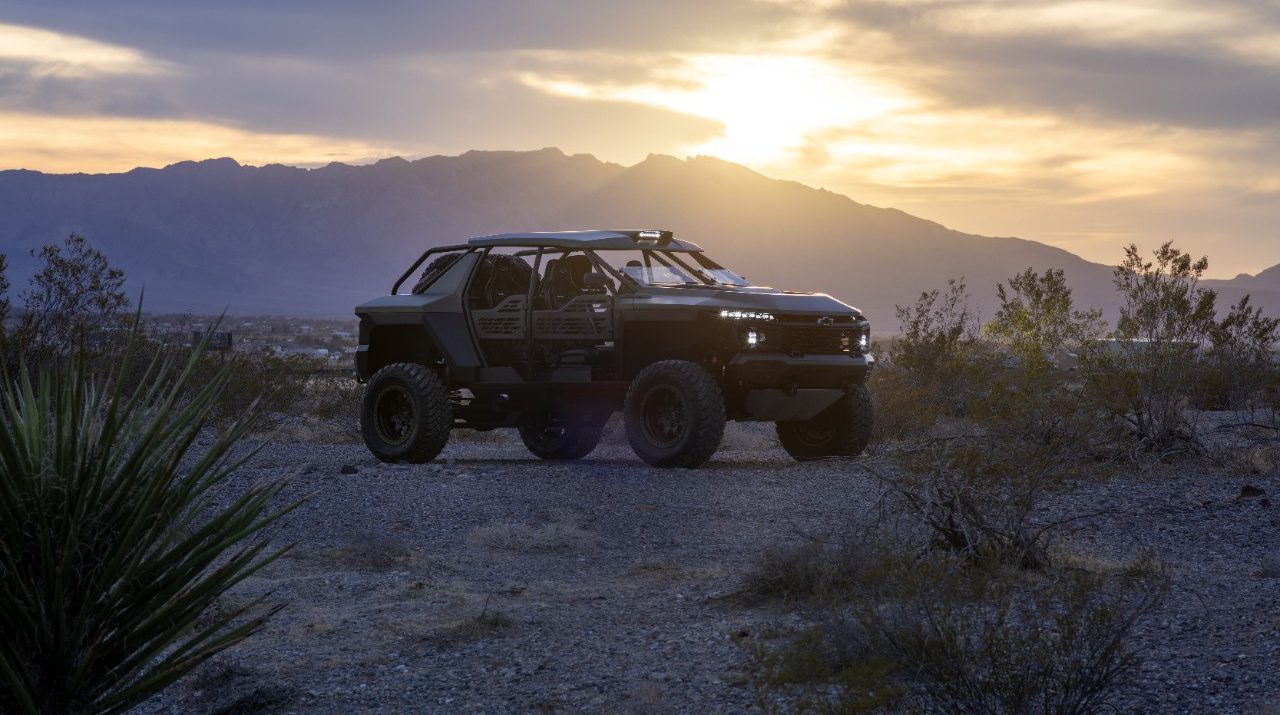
(564, 280)
(508, 276)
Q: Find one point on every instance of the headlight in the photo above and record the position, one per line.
(753, 337)
(745, 315)
(864, 342)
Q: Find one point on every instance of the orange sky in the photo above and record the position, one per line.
(1082, 123)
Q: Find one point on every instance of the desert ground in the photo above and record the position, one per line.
(489, 581)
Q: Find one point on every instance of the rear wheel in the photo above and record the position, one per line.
(556, 438)
(841, 430)
(674, 414)
(406, 414)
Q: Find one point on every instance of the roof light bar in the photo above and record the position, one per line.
(651, 237)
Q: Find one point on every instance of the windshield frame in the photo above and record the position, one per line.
(701, 272)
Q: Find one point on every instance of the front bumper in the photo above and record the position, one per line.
(754, 370)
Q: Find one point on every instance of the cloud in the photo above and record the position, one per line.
(1075, 121)
(46, 53)
(102, 144)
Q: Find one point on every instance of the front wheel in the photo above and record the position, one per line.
(406, 414)
(841, 430)
(561, 438)
(674, 414)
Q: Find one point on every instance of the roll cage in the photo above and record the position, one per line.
(702, 269)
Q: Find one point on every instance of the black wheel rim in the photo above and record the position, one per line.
(394, 415)
(664, 417)
(815, 432)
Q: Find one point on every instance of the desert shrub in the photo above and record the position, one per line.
(110, 547)
(1037, 319)
(977, 485)
(904, 409)
(939, 341)
(331, 397)
(819, 569)
(74, 302)
(1144, 375)
(979, 492)
(1239, 370)
(274, 383)
(4, 304)
(937, 634)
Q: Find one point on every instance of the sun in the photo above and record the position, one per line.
(768, 105)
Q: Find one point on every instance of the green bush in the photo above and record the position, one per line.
(1239, 370)
(110, 545)
(1037, 319)
(1145, 377)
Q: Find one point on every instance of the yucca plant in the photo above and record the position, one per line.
(111, 545)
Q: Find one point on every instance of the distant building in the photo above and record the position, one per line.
(218, 340)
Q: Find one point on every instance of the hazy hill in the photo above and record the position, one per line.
(1268, 280)
(204, 236)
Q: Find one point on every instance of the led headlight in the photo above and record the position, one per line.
(745, 315)
(753, 337)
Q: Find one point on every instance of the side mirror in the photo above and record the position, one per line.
(596, 281)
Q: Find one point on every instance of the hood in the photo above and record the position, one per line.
(756, 298)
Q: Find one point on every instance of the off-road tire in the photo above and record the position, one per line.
(565, 439)
(841, 430)
(674, 414)
(406, 414)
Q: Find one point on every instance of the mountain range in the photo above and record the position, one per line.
(213, 235)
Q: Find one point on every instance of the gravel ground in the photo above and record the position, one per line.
(493, 582)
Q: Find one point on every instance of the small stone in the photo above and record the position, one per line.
(1249, 491)
(349, 469)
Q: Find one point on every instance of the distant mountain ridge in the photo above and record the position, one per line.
(212, 235)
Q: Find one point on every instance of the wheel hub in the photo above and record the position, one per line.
(663, 415)
(394, 415)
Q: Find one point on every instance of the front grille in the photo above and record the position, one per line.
(814, 340)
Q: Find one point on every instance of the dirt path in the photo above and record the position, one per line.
(493, 582)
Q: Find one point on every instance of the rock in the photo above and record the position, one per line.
(349, 469)
(1249, 491)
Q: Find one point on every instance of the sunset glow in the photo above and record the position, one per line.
(1075, 122)
(769, 106)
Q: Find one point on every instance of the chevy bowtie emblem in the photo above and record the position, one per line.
(826, 320)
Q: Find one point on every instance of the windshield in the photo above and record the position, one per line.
(669, 268)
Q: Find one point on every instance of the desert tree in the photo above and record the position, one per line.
(1145, 376)
(74, 296)
(935, 329)
(1036, 318)
(4, 302)
(1239, 369)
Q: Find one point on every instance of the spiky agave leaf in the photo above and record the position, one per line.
(110, 547)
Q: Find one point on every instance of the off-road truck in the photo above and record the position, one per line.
(552, 333)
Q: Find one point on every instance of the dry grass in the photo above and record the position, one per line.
(935, 633)
(556, 532)
(373, 552)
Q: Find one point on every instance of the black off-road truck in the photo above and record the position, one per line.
(552, 333)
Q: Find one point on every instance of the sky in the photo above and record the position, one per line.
(1085, 124)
